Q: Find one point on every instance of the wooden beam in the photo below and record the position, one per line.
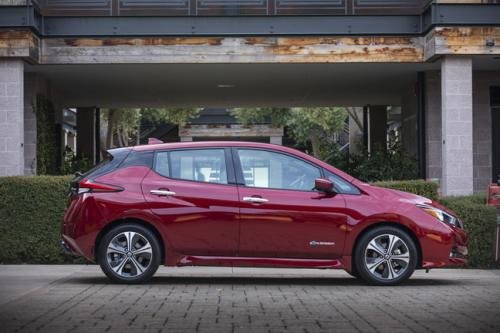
(19, 44)
(232, 50)
(462, 41)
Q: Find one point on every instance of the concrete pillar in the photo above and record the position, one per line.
(86, 126)
(456, 125)
(433, 139)
(11, 117)
(276, 140)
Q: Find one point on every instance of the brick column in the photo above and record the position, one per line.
(456, 125)
(11, 117)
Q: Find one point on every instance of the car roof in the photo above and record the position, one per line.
(205, 144)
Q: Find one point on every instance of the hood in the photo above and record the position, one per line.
(383, 193)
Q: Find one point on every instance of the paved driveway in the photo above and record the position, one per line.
(80, 299)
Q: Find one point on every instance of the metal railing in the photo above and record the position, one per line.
(229, 7)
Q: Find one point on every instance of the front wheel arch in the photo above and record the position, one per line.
(389, 224)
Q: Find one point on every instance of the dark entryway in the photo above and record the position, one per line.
(495, 131)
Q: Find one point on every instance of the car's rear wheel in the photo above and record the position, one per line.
(385, 256)
(129, 253)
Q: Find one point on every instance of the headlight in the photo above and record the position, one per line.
(442, 216)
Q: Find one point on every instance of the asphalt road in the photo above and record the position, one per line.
(80, 299)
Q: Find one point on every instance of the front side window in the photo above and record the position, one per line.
(341, 185)
(202, 165)
(274, 170)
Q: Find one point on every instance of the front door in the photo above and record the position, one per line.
(281, 215)
(495, 131)
(191, 191)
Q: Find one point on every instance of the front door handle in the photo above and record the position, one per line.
(162, 193)
(255, 200)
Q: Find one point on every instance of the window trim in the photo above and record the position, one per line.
(239, 170)
(231, 180)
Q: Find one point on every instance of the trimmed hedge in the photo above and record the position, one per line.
(31, 209)
(418, 186)
(480, 223)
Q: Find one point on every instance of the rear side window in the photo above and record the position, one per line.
(161, 164)
(138, 158)
(201, 165)
(111, 160)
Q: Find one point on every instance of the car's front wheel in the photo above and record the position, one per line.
(385, 255)
(129, 253)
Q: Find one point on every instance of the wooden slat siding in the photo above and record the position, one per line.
(231, 7)
(76, 8)
(311, 7)
(155, 7)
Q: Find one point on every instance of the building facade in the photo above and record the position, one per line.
(439, 61)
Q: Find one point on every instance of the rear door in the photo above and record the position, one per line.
(194, 193)
(281, 215)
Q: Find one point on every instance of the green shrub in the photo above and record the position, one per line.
(480, 223)
(420, 187)
(31, 209)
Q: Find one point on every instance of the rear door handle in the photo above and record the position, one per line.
(162, 193)
(255, 200)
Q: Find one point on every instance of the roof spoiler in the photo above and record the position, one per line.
(154, 141)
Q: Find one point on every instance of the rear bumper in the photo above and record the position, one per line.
(70, 246)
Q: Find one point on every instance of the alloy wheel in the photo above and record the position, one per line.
(387, 257)
(129, 254)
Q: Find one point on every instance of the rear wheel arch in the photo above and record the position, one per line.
(400, 226)
(141, 222)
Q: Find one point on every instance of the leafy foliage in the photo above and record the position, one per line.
(31, 210)
(480, 223)
(383, 163)
(73, 163)
(46, 148)
(123, 125)
(176, 116)
(418, 186)
(308, 126)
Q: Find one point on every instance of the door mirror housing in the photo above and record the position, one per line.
(324, 185)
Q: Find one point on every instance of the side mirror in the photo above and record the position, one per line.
(324, 185)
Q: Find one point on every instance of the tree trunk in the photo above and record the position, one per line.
(315, 144)
(109, 134)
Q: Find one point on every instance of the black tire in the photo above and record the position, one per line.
(151, 261)
(382, 274)
(354, 273)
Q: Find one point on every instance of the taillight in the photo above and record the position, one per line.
(86, 186)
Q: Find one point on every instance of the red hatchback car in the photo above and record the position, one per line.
(250, 204)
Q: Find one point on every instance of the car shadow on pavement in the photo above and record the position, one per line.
(259, 280)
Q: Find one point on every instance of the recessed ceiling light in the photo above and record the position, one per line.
(225, 85)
